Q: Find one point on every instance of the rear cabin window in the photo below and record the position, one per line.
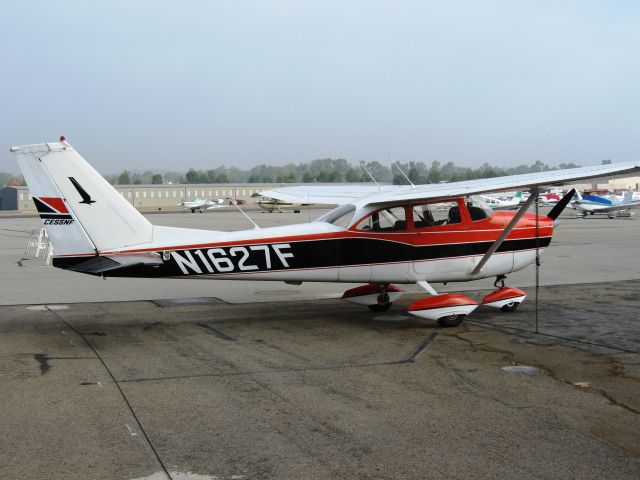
(434, 214)
(386, 220)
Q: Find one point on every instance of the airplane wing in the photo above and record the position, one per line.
(325, 194)
(372, 194)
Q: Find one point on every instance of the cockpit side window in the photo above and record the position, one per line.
(391, 219)
(434, 214)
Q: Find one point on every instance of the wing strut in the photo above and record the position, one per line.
(506, 231)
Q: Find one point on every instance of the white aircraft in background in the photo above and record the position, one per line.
(377, 236)
(270, 205)
(504, 202)
(592, 204)
(200, 205)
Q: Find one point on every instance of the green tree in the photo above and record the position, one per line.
(156, 179)
(434, 172)
(196, 176)
(415, 177)
(124, 178)
(398, 179)
(353, 175)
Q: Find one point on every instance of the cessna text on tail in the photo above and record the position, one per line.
(378, 235)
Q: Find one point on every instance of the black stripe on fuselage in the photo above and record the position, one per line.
(307, 254)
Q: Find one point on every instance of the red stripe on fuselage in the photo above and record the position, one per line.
(486, 230)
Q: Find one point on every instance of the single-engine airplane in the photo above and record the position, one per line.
(201, 205)
(271, 204)
(378, 235)
(499, 203)
(592, 204)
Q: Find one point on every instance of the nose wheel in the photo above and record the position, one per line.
(451, 320)
(506, 299)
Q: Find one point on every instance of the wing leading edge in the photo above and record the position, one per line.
(373, 195)
(325, 194)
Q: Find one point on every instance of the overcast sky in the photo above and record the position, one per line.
(177, 84)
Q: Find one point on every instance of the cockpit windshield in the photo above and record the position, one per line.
(340, 217)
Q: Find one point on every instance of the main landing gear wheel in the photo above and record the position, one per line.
(451, 320)
(380, 307)
(510, 307)
(384, 303)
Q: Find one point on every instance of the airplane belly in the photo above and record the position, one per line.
(393, 273)
(444, 270)
(438, 259)
(356, 274)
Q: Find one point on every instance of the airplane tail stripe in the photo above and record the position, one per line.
(55, 203)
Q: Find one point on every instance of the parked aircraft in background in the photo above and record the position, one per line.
(592, 204)
(270, 205)
(504, 202)
(377, 236)
(201, 205)
(550, 198)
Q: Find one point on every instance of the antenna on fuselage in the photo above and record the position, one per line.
(363, 166)
(393, 162)
(235, 204)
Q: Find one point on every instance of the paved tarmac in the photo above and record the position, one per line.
(257, 380)
(592, 250)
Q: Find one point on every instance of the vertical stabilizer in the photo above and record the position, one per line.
(65, 188)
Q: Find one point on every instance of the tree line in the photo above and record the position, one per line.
(329, 170)
(324, 170)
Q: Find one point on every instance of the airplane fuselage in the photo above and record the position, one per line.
(320, 251)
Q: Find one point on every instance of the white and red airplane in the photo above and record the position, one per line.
(377, 235)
